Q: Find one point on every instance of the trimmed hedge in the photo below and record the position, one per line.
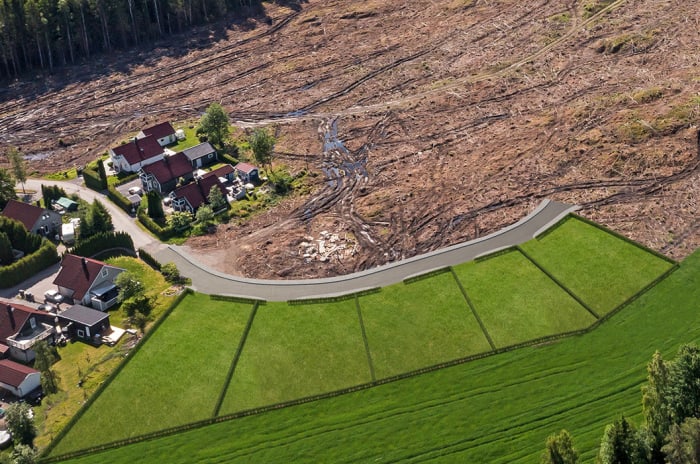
(119, 199)
(102, 242)
(228, 159)
(236, 299)
(334, 299)
(147, 258)
(93, 181)
(28, 266)
(163, 233)
(427, 275)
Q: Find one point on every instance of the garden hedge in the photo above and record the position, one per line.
(28, 266)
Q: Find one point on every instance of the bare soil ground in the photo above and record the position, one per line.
(423, 123)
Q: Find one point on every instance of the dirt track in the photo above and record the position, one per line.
(446, 121)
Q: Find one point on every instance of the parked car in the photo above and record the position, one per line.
(48, 307)
(135, 191)
(53, 296)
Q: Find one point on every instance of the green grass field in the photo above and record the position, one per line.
(415, 325)
(174, 379)
(517, 302)
(495, 410)
(601, 269)
(293, 351)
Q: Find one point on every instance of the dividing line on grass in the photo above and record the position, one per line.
(473, 309)
(364, 338)
(234, 362)
(558, 282)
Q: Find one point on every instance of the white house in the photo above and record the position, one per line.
(132, 156)
(163, 133)
(17, 378)
(88, 281)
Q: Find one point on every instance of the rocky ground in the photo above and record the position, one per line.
(422, 123)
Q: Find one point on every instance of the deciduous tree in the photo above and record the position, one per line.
(46, 356)
(683, 443)
(20, 425)
(215, 125)
(560, 449)
(622, 444)
(19, 171)
(262, 143)
(129, 286)
(7, 188)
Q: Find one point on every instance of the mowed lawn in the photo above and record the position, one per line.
(415, 325)
(174, 379)
(495, 410)
(293, 351)
(517, 302)
(600, 268)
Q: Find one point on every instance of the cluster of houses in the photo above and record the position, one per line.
(179, 176)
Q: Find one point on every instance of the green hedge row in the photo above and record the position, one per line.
(28, 266)
(495, 254)
(163, 233)
(103, 241)
(427, 275)
(119, 199)
(125, 179)
(93, 180)
(228, 159)
(236, 299)
(334, 299)
(147, 258)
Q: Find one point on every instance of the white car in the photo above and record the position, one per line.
(135, 190)
(53, 296)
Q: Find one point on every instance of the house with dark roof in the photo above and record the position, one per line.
(17, 378)
(201, 155)
(84, 323)
(21, 327)
(88, 281)
(132, 156)
(164, 133)
(193, 195)
(37, 220)
(225, 173)
(163, 176)
(247, 172)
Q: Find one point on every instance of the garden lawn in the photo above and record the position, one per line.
(410, 326)
(174, 379)
(598, 267)
(494, 410)
(294, 351)
(517, 302)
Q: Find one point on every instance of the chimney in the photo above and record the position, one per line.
(10, 313)
(85, 269)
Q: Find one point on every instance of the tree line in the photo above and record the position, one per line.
(670, 433)
(44, 34)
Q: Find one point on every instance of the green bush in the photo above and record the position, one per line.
(119, 199)
(147, 258)
(103, 241)
(93, 181)
(26, 267)
(163, 233)
(226, 158)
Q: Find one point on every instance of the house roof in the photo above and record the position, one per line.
(83, 315)
(78, 274)
(67, 203)
(13, 316)
(159, 130)
(245, 167)
(23, 212)
(222, 171)
(169, 168)
(139, 150)
(196, 193)
(13, 374)
(198, 151)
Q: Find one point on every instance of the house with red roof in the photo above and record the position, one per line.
(164, 133)
(195, 194)
(36, 220)
(132, 156)
(21, 327)
(17, 378)
(163, 176)
(88, 281)
(247, 172)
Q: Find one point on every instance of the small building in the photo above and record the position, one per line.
(164, 133)
(68, 233)
(65, 204)
(164, 175)
(21, 327)
(247, 172)
(201, 155)
(84, 323)
(37, 220)
(193, 195)
(88, 281)
(225, 173)
(132, 156)
(17, 378)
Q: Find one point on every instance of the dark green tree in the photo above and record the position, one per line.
(101, 171)
(171, 273)
(7, 188)
(655, 404)
(46, 356)
(19, 424)
(684, 395)
(262, 143)
(19, 170)
(215, 125)
(560, 449)
(51, 193)
(622, 444)
(683, 443)
(101, 219)
(6, 256)
(155, 205)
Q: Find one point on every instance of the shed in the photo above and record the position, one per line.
(67, 204)
(18, 378)
(84, 323)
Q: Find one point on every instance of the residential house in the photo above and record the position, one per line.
(37, 220)
(17, 378)
(201, 155)
(84, 323)
(20, 328)
(132, 156)
(247, 172)
(88, 281)
(193, 195)
(163, 133)
(225, 173)
(163, 176)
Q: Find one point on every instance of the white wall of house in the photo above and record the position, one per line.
(108, 274)
(24, 356)
(120, 164)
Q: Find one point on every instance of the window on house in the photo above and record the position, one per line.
(210, 155)
(81, 334)
(32, 322)
(104, 272)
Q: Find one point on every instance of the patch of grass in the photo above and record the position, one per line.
(647, 95)
(410, 326)
(495, 410)
(293, 351)
(67, 174)
(518, 302)
(592, 7)
(560, 18)
(190, 140)
(635, 42)
(598, 267)
(174, 379)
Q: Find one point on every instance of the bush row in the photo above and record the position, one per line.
(103, 241)
(334, 299)
(236, 299)
(28, 266)
(119, 199)
(93, 180)
(147, 258)
(163, 233)
(427, 275)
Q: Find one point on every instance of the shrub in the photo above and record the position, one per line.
(147, 258)
(163, 233)
(102, 241)
(26, 267)
(92, 179)
(119, 199)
